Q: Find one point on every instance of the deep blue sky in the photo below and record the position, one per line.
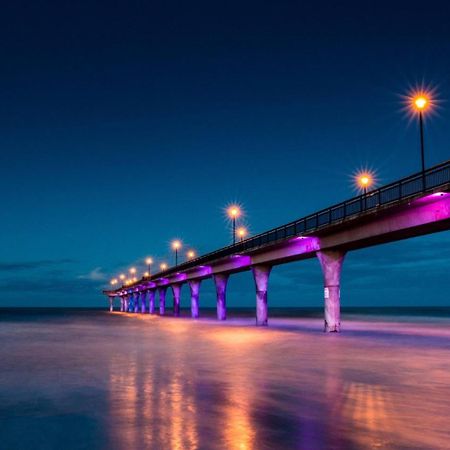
(125, 124)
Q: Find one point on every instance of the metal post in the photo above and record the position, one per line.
(234, 230)
(422, 149)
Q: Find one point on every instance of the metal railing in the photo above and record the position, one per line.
(392, 193)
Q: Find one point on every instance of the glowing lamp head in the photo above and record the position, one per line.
(176, 245)
(148, 261)
(364, 181)
(122, 276)
(163, 266)
(190, 254)
(146, 274)
(113, 281)
(242, 232)
(421, 102)
(133, 270)
(234, 211)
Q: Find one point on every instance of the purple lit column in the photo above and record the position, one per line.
(126, 300)
(143, 301)
(136, 302)
(261, 277)
(220, 281)
(331, 263)
(176, 289)
(121, 304)
(162, 300)
(194, 286)
(151, 301)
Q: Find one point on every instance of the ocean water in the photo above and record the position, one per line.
(74, 379)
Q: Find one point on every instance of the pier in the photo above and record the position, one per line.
(413, 206)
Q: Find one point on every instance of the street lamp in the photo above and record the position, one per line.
(242, 233)
(113, 281)
(191, 254)
(420, 103)
(176, 245)
(149, 262)
(163, 266)
(233, 213)
(122, 277)
(132, 270)
(364, 180)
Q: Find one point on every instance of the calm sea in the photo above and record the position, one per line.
(89, 379)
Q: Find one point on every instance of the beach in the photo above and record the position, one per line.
(80, 379)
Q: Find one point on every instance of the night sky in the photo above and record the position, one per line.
(127, 124)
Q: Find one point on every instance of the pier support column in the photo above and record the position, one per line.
(220, 281)
(111, 305)
(121, 304)
(176, 290)
(261, 277)
(136, 302)
(331, 263)
(194, 286)
(143, 302)
(162, 300)
(151, 301)
(126, 303)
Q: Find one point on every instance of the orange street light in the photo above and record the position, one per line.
(191, 254)
(149, 262)
(113, 281)
(132, 270)
(421, 102)
(176, 245)
(146, 274)
(163, 266)
(242, 232)
(233, 213)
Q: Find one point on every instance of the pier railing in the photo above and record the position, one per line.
(392, 193)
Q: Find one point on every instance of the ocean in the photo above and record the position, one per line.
(90, 379)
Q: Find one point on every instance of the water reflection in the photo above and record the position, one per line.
(168, 383)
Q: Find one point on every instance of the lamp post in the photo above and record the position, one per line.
(233, 213)
(364, 180)
(176, 245)
(190, 254)
(420, 104)
(122, 278)
(149, 262)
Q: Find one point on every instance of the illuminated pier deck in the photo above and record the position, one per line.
(410, 207)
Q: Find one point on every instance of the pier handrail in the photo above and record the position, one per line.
(395, 192)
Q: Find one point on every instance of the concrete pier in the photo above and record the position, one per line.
(194, 286)
(111, 304)
(331, 263)
(261, 276)
(221, 281)
(143, 302)
(151, 301)
(136, 302)
(176, 290)
(121, 304)
(162, 300)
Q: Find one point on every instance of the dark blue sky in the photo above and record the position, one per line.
(125, 124)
